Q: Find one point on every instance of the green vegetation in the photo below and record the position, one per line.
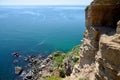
(53, 78)
(58, 58)
(72, 55)
(61, 61)
(62, 73)
(80, 79)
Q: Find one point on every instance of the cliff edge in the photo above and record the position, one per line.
(100, 51)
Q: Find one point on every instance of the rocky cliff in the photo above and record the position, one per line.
(100, 51)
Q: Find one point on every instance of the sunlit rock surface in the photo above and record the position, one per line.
(101, 44)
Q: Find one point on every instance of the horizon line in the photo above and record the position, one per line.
(44, 5)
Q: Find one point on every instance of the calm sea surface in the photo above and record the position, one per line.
(37, 30)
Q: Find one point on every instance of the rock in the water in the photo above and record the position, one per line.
(18, 70)
(26, 59)
(15, 61)
(16, 54)
(29, 76)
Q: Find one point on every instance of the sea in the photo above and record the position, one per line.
(33, 30)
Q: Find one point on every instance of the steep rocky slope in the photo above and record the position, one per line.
(100, 51)
(56, 66)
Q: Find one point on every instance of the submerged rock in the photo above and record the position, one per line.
(15, 61)
(16, 54)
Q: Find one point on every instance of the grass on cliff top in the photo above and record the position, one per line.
(59, 56)
(53, 78)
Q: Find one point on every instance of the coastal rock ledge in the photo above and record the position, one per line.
(100, 51)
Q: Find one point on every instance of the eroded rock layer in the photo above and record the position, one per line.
(100, 51)
(103, 13)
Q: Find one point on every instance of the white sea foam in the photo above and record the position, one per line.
(31, 13)
(40, 43)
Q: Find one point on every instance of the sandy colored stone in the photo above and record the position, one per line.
(118, 27)
(100, 51)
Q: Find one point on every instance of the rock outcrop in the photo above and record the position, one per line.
(107, 59)
(100, 51)
(118, 28)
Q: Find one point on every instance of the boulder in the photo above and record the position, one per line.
(29, 75)
(18, 70)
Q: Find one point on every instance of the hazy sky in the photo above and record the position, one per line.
(45, 2)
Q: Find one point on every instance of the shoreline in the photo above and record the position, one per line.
(58, 64)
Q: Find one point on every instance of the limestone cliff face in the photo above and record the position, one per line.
(103, 13)
(100, 51)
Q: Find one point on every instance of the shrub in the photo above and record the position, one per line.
(62, 73)
(53, 78)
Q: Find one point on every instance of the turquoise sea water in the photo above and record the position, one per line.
(37, 30)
